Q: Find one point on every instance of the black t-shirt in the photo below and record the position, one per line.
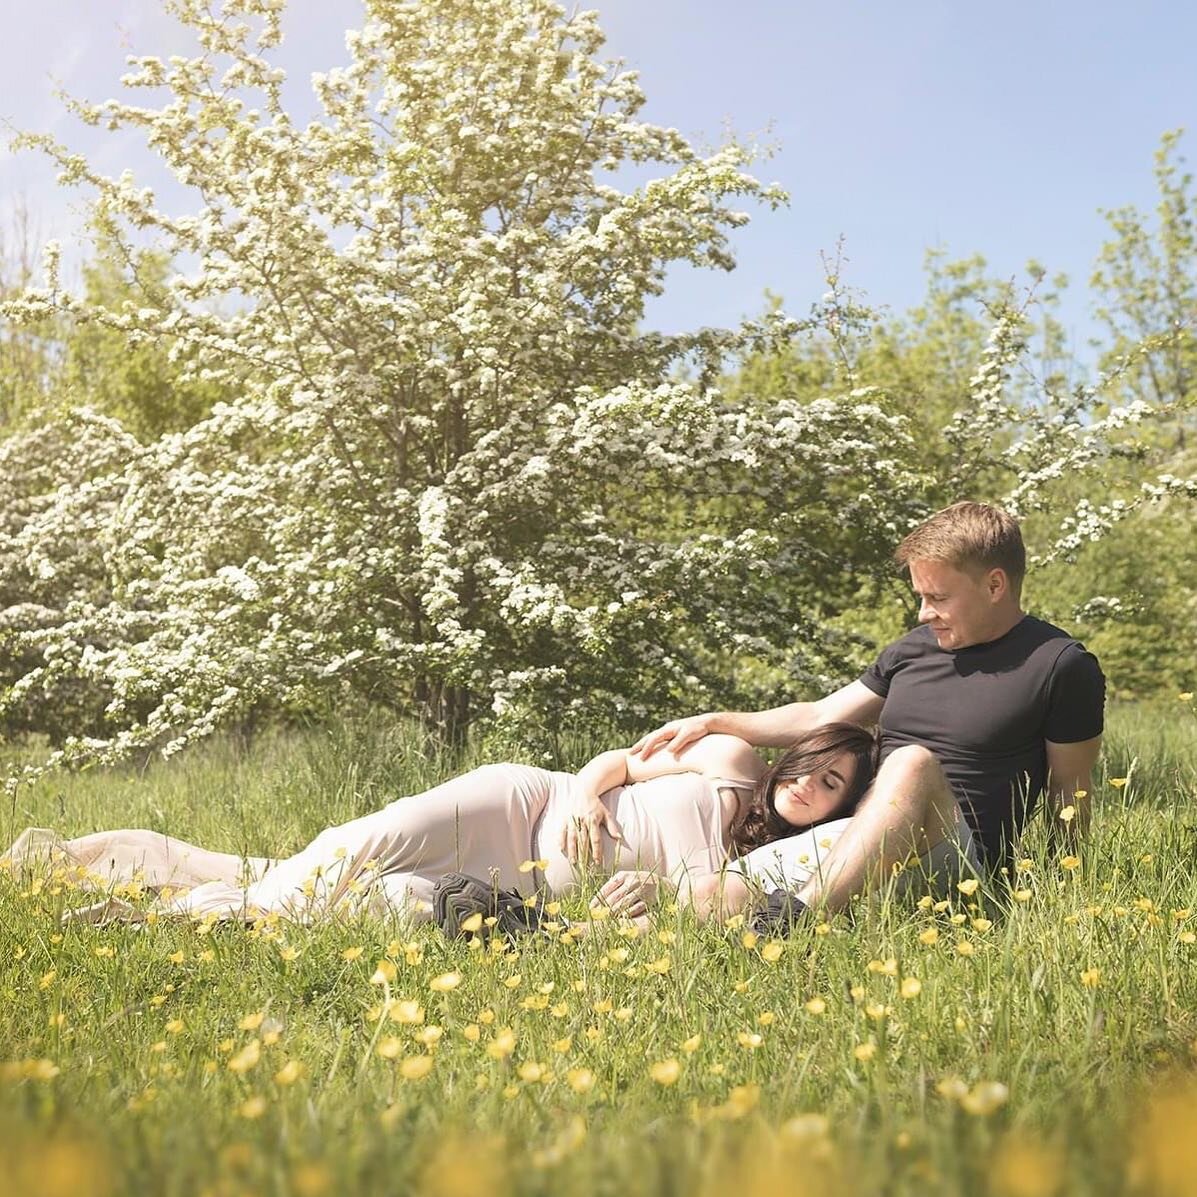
(986, 712)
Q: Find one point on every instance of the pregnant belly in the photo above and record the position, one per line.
(665, 829)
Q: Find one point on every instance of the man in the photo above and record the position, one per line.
(981, 708)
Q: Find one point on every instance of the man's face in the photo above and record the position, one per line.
(960, 606)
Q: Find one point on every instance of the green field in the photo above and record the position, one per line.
(1044, 1044)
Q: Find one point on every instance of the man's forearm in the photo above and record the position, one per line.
(776, 728)
(1070, 813)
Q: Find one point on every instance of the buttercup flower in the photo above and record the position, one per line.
(665, 1072)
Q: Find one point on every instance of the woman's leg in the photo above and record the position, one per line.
(146, 858)
(478, 823)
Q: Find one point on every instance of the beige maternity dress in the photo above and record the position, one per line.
(487, 822)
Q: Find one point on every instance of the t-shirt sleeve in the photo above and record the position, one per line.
(878, 675)
(1076, 698)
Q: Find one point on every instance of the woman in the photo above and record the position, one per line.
(660, 819)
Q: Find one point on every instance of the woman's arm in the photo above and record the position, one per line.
(713, 756)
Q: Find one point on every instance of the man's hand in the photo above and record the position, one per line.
(630, 892)
(582, 835)
(675, 735)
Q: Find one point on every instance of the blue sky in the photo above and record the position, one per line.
(974, 128)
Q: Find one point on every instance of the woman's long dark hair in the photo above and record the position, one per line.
(760, 823)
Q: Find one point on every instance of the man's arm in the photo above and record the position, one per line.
(776, 728)
(1070, 783)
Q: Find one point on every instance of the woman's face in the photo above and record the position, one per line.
(807, 799)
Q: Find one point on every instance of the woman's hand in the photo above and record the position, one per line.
(629, 893)
(675, 735)
(582, 835)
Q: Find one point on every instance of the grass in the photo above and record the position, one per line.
(1046, 1046)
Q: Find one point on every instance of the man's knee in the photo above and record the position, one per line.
(911, 761)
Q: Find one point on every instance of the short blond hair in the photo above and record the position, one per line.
(968, 535)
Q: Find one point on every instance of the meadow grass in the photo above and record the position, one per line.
(1041, 1041)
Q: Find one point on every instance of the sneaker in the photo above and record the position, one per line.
(457, 896)
(780, 914)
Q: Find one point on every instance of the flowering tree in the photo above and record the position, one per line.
(456, 478)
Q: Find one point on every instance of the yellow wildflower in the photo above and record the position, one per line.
(415, 1068)
(246, 1058)
(384, 973)
(289, 1073)
(984, 1098)
(502, 1045)
(665, 1072)
(580, 1080)
(406, 1011)
(390, 1047)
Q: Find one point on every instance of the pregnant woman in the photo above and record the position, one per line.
(666, 818)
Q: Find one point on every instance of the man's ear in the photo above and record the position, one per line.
(997, 583)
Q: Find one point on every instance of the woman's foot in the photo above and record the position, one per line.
(465, 905)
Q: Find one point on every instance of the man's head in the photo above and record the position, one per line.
(966, 564)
